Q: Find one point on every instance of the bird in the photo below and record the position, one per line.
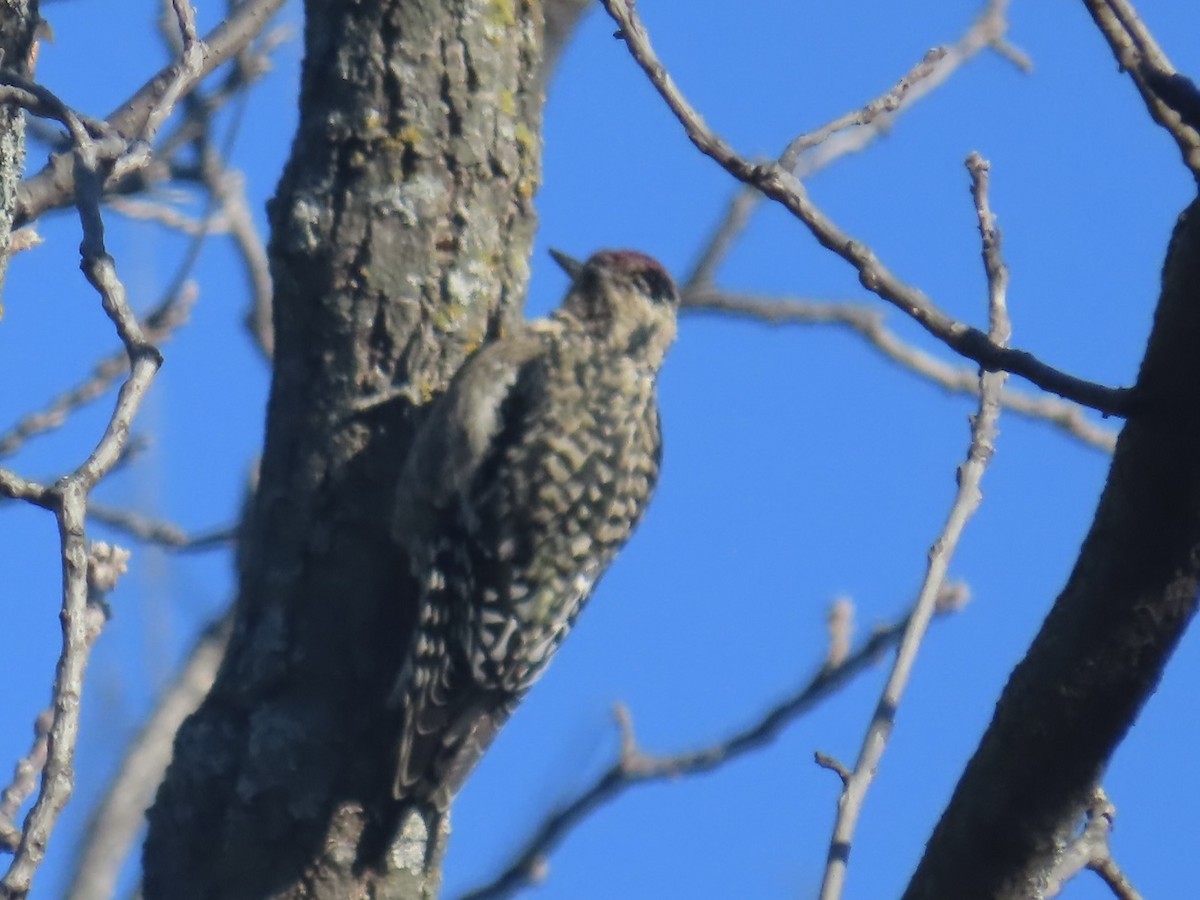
(523, 482)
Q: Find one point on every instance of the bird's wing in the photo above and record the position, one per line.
(461, 431)
(446, 722)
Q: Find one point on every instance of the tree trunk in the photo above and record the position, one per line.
(401, 233)
(1102, 649)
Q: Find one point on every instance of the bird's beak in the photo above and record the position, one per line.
(569, 264)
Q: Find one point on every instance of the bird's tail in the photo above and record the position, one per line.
(444, 735)
(447, 720)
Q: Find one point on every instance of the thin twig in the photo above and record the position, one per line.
(783, 187)
(189, 69)
(158, 325)
(55, 185)
(227, 187)
(1157, 80)
(106, 564)
(15, 487)
(156, 531)
(634, 766)
(856, 130)
(161, 212)
(966, 501)
(869, 324)
(227, 203)
(248, 65)
(1091, 850)
(231, 190)
(81, 619)
(1110, 873)
(186, 17)
(119, 815)
(25, 778)
(42, 102)
(99, 154)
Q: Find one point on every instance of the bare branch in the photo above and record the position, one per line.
(155, 531)
(42, 102)
(856, 130)
(634, 766)
(869, 324)
(163, 213)
(87, 573)
(83, 617)
(193, 129)
(966, 501)
(825, 761)
(157, 326)
(228, 208)
(119, 815)
(25, 778)
(1110, 873)
(227, 188)
(186, 17)
(142, 113)
(1103, 647)
(105, 566)
(1171, 99)
(15, 487)
(782, 186)
(1091, 850)
(188, 71)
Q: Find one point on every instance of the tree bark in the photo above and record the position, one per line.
(18, 23)
(1102, 649)
(401, 233)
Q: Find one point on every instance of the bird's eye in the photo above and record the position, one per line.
(658, 286)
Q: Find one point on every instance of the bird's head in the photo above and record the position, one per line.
(624, 298)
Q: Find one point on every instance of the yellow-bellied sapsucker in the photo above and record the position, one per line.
(525, 480)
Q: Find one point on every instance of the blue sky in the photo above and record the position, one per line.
(799, 465)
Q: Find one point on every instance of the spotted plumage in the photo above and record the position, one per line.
(528, 476)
